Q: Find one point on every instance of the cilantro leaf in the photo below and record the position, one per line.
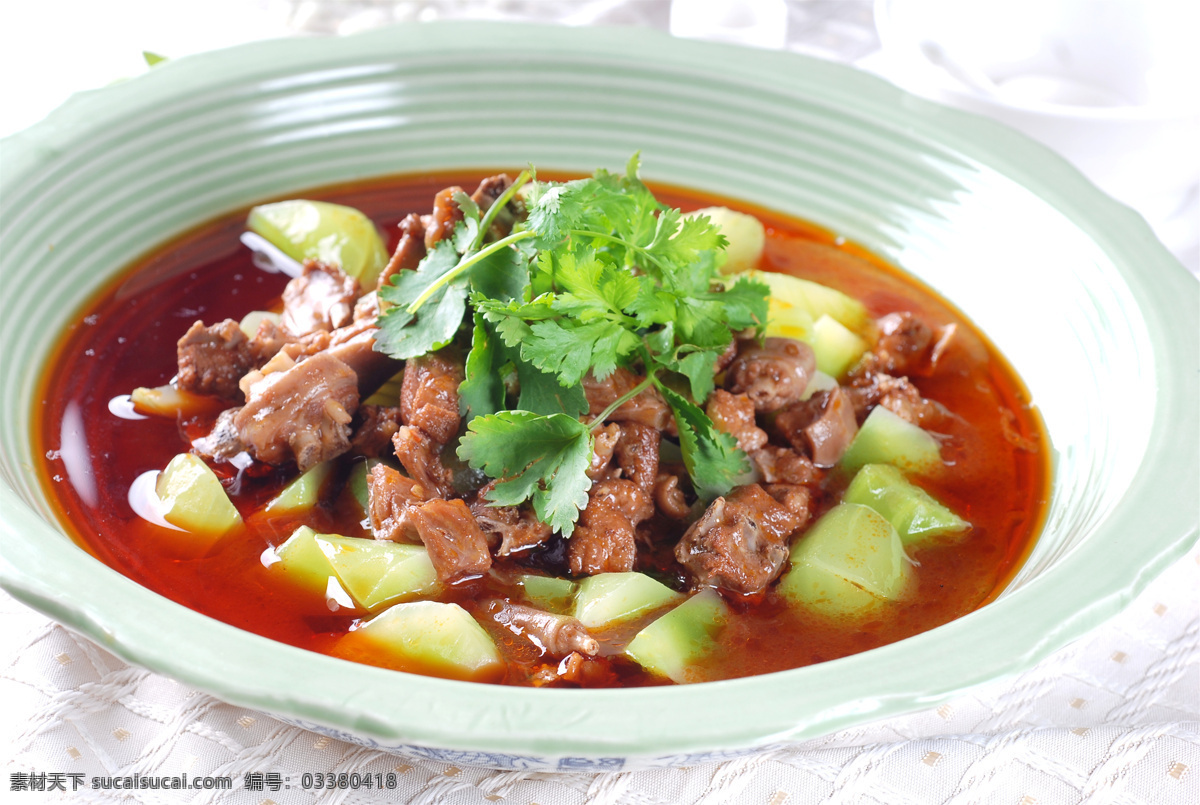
(406, 335)
(697, 367)
(744, 302)
(598, 275)
(680, 241)
(594, 284)
(711, 457)
(502, 276)
(482, 389)
(543, 459)
(541, 393)
(568, 349)
(466, 232)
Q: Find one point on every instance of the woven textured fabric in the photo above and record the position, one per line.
(1113, 718)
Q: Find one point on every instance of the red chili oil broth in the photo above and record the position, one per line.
(126, 336)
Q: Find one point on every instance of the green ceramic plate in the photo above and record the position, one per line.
(1072, 287)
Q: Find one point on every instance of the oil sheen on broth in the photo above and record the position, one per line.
(97, 446)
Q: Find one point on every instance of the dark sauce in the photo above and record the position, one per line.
(126, 338)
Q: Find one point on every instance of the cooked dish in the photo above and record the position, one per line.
(552, 433)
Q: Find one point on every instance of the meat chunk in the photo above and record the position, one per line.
(903, 345)
(392, 496)
(603, 540)
(670, 498)
(647, 408)
(796, 499)
(354, 345)
(409, 251)
(222, 442)
(457, 547)
(377, 424)
(637, 453)
(429, 395)
(584, 671)
(784, 465)
(726, 357)
(823, 425)
(778, 521)
(604, 444)
(446, 215)
(625, 496)
(740, 543)
(422, 460)
(299, 412)
(555, 635)
(734, 414)
(321, 298)
(429, 409)
(771, 375)
(366, 308)
(517, 526)
(897, 394)
(268, 339)
(944, 337)
(213, 359)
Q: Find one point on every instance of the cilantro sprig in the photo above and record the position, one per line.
(598, 275)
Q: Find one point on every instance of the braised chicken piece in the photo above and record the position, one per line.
(446, 215)
(604, 444)
(213, 359)
(517, 526)
(903, 345)
(409, 252)
(637, 454)
(793, 497)
(734, 414)
(376, 425)
(771, 375)
(555, 635)
(354, 345)
(392, 496)
(670, 498)
(457, 547)
(429, 395)
(784, 465)
(222, 442)
(298, 411)
(429, 410)
(366, 308)
(321, 298)
(823, 426)
(603, 540)
(897, 394)
(422, 460)
(268, 339)
(647, 408)
(740, 543)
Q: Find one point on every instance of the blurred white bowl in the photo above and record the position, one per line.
(1110, 84)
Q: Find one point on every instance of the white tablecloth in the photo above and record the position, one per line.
(1113, 718)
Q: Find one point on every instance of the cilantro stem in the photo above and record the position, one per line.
(585, 233)
(486, 223)
(466, 263)
(624, 398)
